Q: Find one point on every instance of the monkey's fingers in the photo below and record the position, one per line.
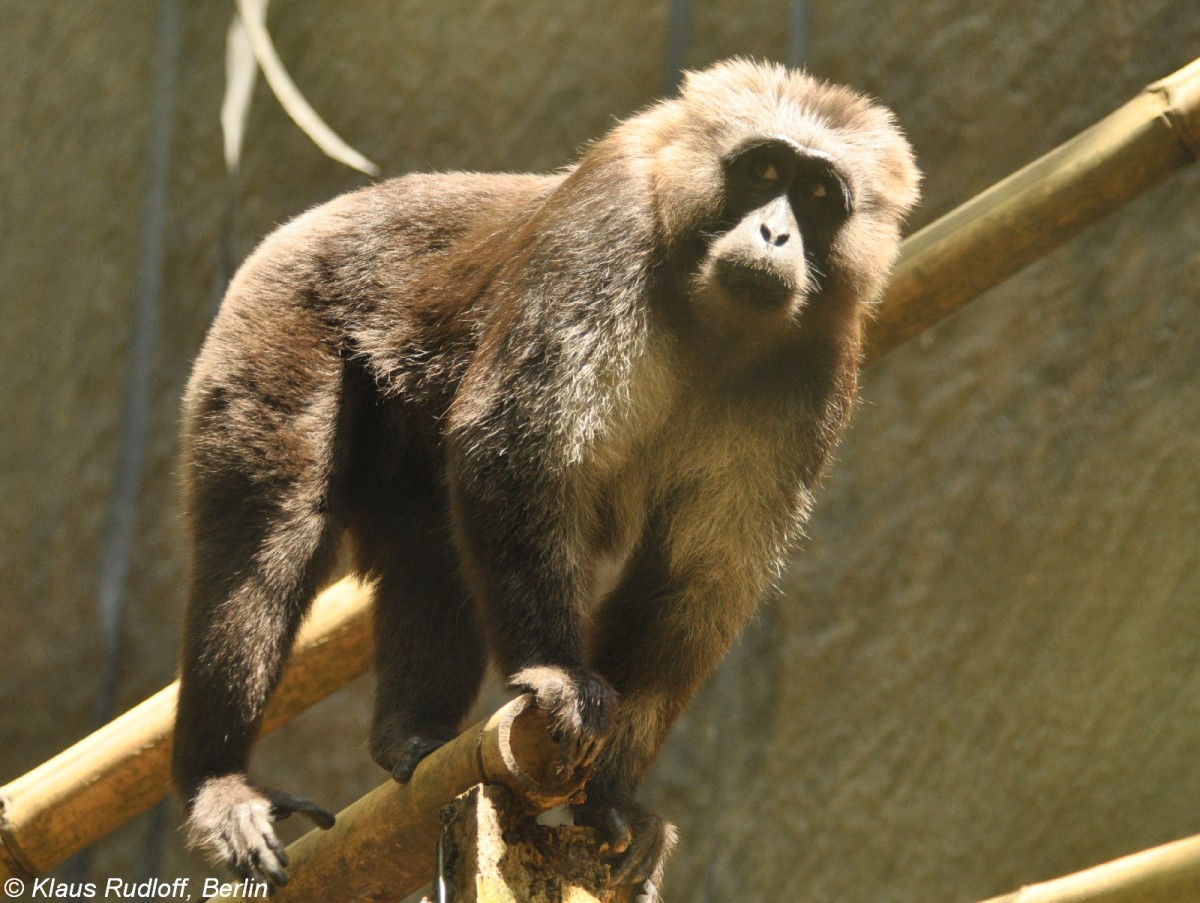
(580, 706)
(249, 870)
(257, 853)
(613, 828)
(274, 859)
(578, 756)
(590, 752)
(268, 862)
(285, 804)
(643, 863)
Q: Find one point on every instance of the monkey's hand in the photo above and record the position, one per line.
(231, 819)
(638, 839)
(581, 706)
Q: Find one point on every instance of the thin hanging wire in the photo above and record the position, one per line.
(679, 39)
(120, 528)
(799, 29)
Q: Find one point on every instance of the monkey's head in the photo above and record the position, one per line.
(780, 198)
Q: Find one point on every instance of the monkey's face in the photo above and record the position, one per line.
(780, 200)
(783, 206)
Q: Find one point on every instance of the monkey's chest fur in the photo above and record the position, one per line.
(617, 444)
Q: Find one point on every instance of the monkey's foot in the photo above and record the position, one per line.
(581, 706)
(232, 820)
(400, 749)
(638, 839)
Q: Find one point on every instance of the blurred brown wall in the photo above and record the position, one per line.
(985, 669)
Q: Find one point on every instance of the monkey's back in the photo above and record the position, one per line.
(378, 295)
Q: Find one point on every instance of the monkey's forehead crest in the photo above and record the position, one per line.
(741, 94)
(737, 103)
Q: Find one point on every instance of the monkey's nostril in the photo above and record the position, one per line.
(775, 240)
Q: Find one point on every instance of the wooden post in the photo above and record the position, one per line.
(495, 853)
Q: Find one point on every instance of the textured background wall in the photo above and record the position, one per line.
(986, 667)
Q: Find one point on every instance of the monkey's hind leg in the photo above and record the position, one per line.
(429, 650)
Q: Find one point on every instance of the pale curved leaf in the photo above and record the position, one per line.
(241, 72)
(253, 14)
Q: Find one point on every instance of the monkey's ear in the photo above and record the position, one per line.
(683, 168)
(896, 178)
(688, 191)
(900, 179)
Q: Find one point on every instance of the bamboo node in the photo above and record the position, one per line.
(12, 857)
(1180, 92)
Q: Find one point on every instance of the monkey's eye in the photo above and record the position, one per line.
(765, 171)
(825, 192)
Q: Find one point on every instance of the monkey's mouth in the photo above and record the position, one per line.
(762, 287)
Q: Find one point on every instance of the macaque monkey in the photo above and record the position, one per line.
(568, 422)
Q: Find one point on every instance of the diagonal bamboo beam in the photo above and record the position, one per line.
(1166, 874)
(85, 792)
(1027, 215)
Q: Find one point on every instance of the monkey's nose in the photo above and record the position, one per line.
(774, 239)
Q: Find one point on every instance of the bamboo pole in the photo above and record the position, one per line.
(1166, 874)
(1027, 215)
(87, 791)
(83, 793)
(384, 846)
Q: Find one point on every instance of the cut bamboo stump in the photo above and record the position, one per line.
(384, 846)
(495, 853)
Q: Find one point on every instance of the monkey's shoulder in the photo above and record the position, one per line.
(377, 241)
(437, 209)
(412, 209)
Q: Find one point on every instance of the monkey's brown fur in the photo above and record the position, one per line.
(504, 388)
